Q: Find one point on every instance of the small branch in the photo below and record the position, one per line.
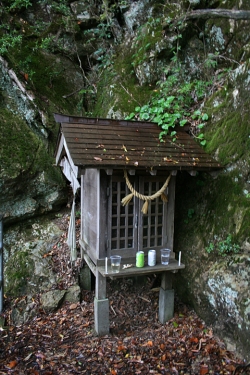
(72, 93)
(145, 299)
(217, 13)
(82, 70)
(129, 94)
(212, 13)
(113, 310)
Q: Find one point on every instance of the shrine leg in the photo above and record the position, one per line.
(166, 298)
(101, 306)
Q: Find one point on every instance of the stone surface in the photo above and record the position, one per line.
(51, 300)
(166, 305)
(27, 268)
(101, 312)
(73, 294)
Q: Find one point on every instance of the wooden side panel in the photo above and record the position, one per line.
(170, 216)
(103, 216)
(90, 214)
(82, 210)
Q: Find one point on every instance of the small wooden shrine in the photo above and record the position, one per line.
(127, 181)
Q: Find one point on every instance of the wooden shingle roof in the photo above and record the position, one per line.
(108, 143)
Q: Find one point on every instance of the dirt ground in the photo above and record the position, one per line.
(64, 342)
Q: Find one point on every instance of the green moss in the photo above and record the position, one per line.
(118, 87)
(18, 270)
(46, 74)
(223, 213)
(221, 209)
(147, 38)
(230, 136)
(19, 145)
(22, 152)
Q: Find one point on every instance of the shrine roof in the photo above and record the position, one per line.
(118, 144)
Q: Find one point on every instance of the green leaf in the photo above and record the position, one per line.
(183, 122)
(144, 116)
(205, 117)
(197, 113)
(175, 324)
(130, 116)
(144, 108)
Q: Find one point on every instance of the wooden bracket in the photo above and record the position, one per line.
(153, 172)
(109, 172)
(192, 173)
(131, 172)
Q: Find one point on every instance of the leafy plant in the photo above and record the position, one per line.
(18, 4)
(171, 110)
(9, 41)
(60, 6)
(223, 247)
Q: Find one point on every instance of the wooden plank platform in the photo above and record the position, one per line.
(136, 271)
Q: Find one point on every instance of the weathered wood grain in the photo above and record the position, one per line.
(109, 144)
(135, 271)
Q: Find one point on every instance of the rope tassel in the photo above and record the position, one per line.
(144, 209)
(164, 198)
(127, 199)
(146, 198)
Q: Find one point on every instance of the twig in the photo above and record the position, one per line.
(113, 310)
(124, 311)
(145, 299)
(83, 73)
(72, 93)
(129, 94)
(213, 56)
(157, 289)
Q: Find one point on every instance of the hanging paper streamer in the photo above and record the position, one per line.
(71, 240)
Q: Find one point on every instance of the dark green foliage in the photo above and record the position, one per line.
(223, 247)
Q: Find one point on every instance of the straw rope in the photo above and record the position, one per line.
(146, 198)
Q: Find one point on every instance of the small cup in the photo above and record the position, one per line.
(115, 263)
(165, 255)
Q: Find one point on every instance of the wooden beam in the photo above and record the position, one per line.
(100, 286)
(137, 271)
(90, 264)
(166, 280)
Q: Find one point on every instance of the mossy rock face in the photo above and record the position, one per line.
(119, 91)
(26, 167)
(27, 269)
(18, 271)
(215, 285)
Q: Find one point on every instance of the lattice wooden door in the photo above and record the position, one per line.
(129, 229)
